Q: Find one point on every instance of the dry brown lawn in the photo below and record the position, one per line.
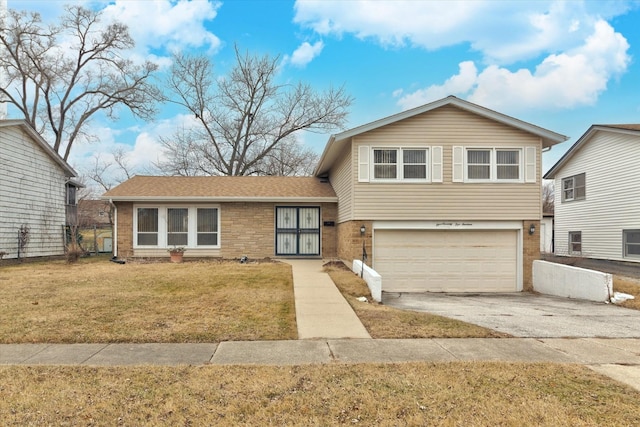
(97, 301)
(446, 394)
(388, 322)
(628, 285)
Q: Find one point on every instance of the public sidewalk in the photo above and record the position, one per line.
(617, 358)
(321, 310)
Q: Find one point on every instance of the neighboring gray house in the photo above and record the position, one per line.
(597, 197)
(37, 194)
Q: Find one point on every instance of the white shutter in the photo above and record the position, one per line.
(458, 164)
(363, 163)
(436, 164)
(530, 164)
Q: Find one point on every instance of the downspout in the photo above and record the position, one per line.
(115, 227)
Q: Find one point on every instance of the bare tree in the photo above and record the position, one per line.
(246, 117)
(59, 89)
(109, 173)
(548, 197)
(289, 158)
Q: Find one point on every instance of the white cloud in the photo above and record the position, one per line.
(575, 77)
(167, 25)
(305, 53)
(503, 32)
(157, 26)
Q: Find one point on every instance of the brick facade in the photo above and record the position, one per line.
(530, 252)
(124, 237)
(246, 228)
(350, 240)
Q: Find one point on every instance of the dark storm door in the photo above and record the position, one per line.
(297, 230)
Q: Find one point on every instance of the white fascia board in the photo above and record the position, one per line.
(221, 199)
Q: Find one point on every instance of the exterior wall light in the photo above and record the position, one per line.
(532, 229)
(362, 230)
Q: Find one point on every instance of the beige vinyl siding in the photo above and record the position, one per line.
(32, 192)
(610, 163)
(342, 177)
(447, 127)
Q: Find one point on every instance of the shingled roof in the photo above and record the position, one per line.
(223, 189)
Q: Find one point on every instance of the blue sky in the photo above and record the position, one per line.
(559, 65)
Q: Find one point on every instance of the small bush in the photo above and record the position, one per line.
(73, 254)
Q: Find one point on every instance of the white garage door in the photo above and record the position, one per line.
(446, 261)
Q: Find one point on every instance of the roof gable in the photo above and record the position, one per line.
(38, 140)
(223, 189)
(628, 129)
(336, 142)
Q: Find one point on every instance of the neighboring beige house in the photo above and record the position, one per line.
(448, 197)
(37, 194)
(597, 208)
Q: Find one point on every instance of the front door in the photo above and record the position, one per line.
(297, 230)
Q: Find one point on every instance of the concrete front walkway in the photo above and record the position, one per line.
(321, 310)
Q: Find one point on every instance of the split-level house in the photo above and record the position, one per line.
(597, 183)
(443, 197)
(38, 194)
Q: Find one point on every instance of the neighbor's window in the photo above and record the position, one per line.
(574, 188)
(575, 242)
(147, 227)
(177, 226)
(631, 243)
(508, 164)
(72, 192)
(400, 163)
(207, 227)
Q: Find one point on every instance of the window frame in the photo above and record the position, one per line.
(400, 164)
(493, 165)
(162, 232)
(573, 188)
(571, 242)
(625, 248)
(137, 232)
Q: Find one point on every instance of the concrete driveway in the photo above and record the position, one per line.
(525, 314)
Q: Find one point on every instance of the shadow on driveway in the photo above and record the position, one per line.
(525, 314)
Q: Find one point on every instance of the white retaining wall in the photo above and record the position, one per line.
(571, 282)
(373, 279)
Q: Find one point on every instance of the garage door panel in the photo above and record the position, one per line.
(446, 261)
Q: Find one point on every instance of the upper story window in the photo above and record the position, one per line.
(574, 188)
(479, 164)
(72, 195)
(400, 163)
(493, 164)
